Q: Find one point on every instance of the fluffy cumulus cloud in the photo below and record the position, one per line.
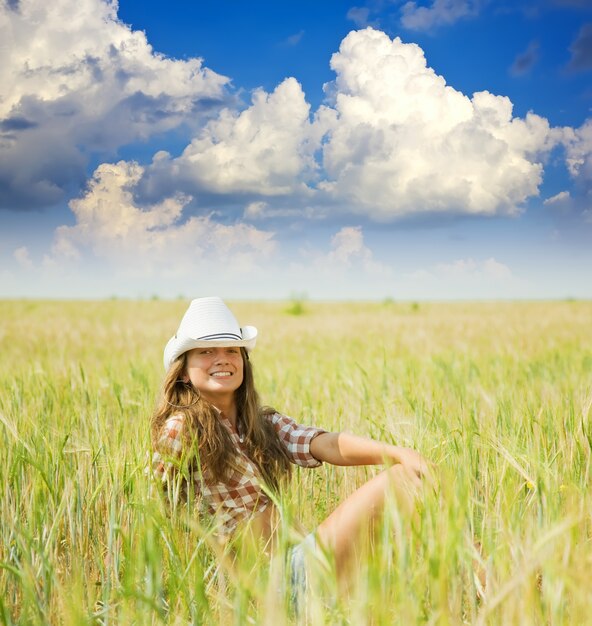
(349, 255)
(73, 75)
(400, 141)
(348, 245)
(578, 146)
(393, 140)
(111, 224)
(266, 149)
(575, 204)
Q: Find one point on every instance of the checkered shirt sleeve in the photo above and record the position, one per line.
(296, 439)
(167, 456)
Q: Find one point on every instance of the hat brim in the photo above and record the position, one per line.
(177, 346)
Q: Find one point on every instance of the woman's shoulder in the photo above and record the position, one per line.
(280, 421)
(173, 425)
(170, 438)
(271, 414)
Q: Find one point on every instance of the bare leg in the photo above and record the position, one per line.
(348, 527)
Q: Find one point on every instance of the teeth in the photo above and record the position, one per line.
(221, 374)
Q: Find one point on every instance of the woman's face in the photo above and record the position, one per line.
(215, 372)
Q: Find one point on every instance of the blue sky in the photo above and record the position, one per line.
(413, 150)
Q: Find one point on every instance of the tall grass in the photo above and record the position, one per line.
(497, 395)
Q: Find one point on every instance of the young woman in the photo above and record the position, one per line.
(216, 445)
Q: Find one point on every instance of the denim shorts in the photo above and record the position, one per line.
(299, 559)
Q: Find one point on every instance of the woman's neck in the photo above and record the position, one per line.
(225, 405)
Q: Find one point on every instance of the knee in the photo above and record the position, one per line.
(400, 473)
(403, 482)
(419, 475)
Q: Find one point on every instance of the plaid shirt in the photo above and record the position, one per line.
(242, 496)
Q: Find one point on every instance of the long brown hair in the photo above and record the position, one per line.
(208, 441)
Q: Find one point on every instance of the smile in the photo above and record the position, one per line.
(221, 374)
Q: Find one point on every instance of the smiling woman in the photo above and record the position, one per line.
(217, 447)
(216, 372)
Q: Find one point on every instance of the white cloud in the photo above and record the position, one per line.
(266, 149)
(341, 266)
(439, 13)
(395, 140)
(348, 247)
(496, 270)
(349, 252)
(110, 223)
(256, 210)
(400, 141)
(23, 258)
(578, 145)
(74, 79)
(562, 196)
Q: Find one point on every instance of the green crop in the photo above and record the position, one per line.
(497, 395)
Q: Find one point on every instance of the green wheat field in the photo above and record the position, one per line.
(497, 395)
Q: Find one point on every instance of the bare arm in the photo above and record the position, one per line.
(347, 449)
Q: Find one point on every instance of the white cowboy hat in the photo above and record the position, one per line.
(208, 322)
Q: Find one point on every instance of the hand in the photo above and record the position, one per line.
(415, 464)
